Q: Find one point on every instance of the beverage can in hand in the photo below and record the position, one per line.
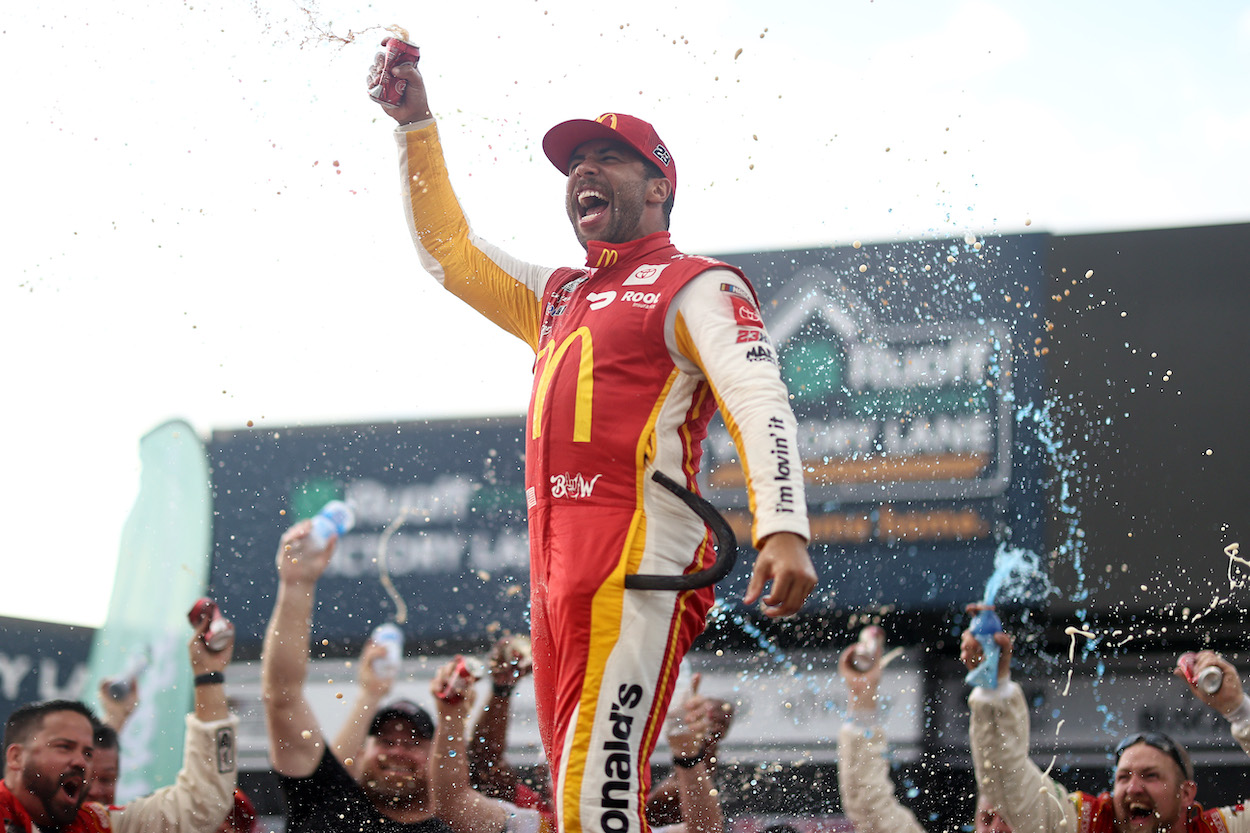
(389, 89)
(220, 628)
(868, 649)
(468, 672)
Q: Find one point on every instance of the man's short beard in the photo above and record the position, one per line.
(47, 791)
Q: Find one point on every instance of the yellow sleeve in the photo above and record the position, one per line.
(504, 289)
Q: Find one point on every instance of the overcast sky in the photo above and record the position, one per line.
(202, 220)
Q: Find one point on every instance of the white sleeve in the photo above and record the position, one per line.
(864, 783)
(1007, 778)
(714, 330)
(199, 800)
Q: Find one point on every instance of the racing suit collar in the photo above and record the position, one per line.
(600, 254)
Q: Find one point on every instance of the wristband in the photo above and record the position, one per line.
(210, 678)
(498, 690)
(691, 762)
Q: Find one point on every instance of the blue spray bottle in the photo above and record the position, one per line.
(984, 625)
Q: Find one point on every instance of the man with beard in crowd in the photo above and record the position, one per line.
(1154, 788)
(49, 766)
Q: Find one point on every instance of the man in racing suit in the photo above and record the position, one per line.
(634, 353)
(1154, 790)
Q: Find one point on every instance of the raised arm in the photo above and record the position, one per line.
(202, 795)
(868, 797)
(688, 739)
(295, 741)
(999, 736)
(490, 772)
(372, 688)
(1230, 699)
(453, 798)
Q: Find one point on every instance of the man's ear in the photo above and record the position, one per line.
(13, 758)
(659, 190)
(1189, 792)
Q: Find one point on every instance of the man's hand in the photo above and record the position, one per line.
(971, 655)
(415, 105)
(298, 562)
(510, 660)
(372, 684)
(690, 727)
(117, 712)
(1230, 694)
(861, 686)
(784, 561)
(452, 710)
(202, 659)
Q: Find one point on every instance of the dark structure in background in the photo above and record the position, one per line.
(1147, 359)
(40, 661)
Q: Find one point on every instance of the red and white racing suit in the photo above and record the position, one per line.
(634, 352)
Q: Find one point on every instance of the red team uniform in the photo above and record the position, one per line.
(634, 353)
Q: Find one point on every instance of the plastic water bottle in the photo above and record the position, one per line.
(335, 518)
(984, 625)
(389, 636)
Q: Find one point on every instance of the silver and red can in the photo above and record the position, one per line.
(868, 649)
(389, 89)
(220, 629)
(468, 672)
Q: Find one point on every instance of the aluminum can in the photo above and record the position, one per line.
(389, 89)
(468, 672)
(868, 649)
(220, 629)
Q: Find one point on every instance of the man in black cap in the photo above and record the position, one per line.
(389, 793)
(634, 353)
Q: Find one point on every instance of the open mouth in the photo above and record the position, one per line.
(1140, 812)
(591, 205)
(72, 786)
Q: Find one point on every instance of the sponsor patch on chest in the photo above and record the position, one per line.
(645, 275)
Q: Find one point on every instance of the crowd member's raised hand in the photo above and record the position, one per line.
(972, 655)
(1229, 697)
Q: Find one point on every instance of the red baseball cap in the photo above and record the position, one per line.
(563, 139)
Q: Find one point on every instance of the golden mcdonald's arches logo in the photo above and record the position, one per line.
(608, 257)
(609, 119)
(551, 357)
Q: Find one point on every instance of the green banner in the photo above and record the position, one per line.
(162, 568)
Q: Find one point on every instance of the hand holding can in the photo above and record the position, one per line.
(868, 649)
(220, 629)
(1209, 680)
(468, 672)
(389, 90)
